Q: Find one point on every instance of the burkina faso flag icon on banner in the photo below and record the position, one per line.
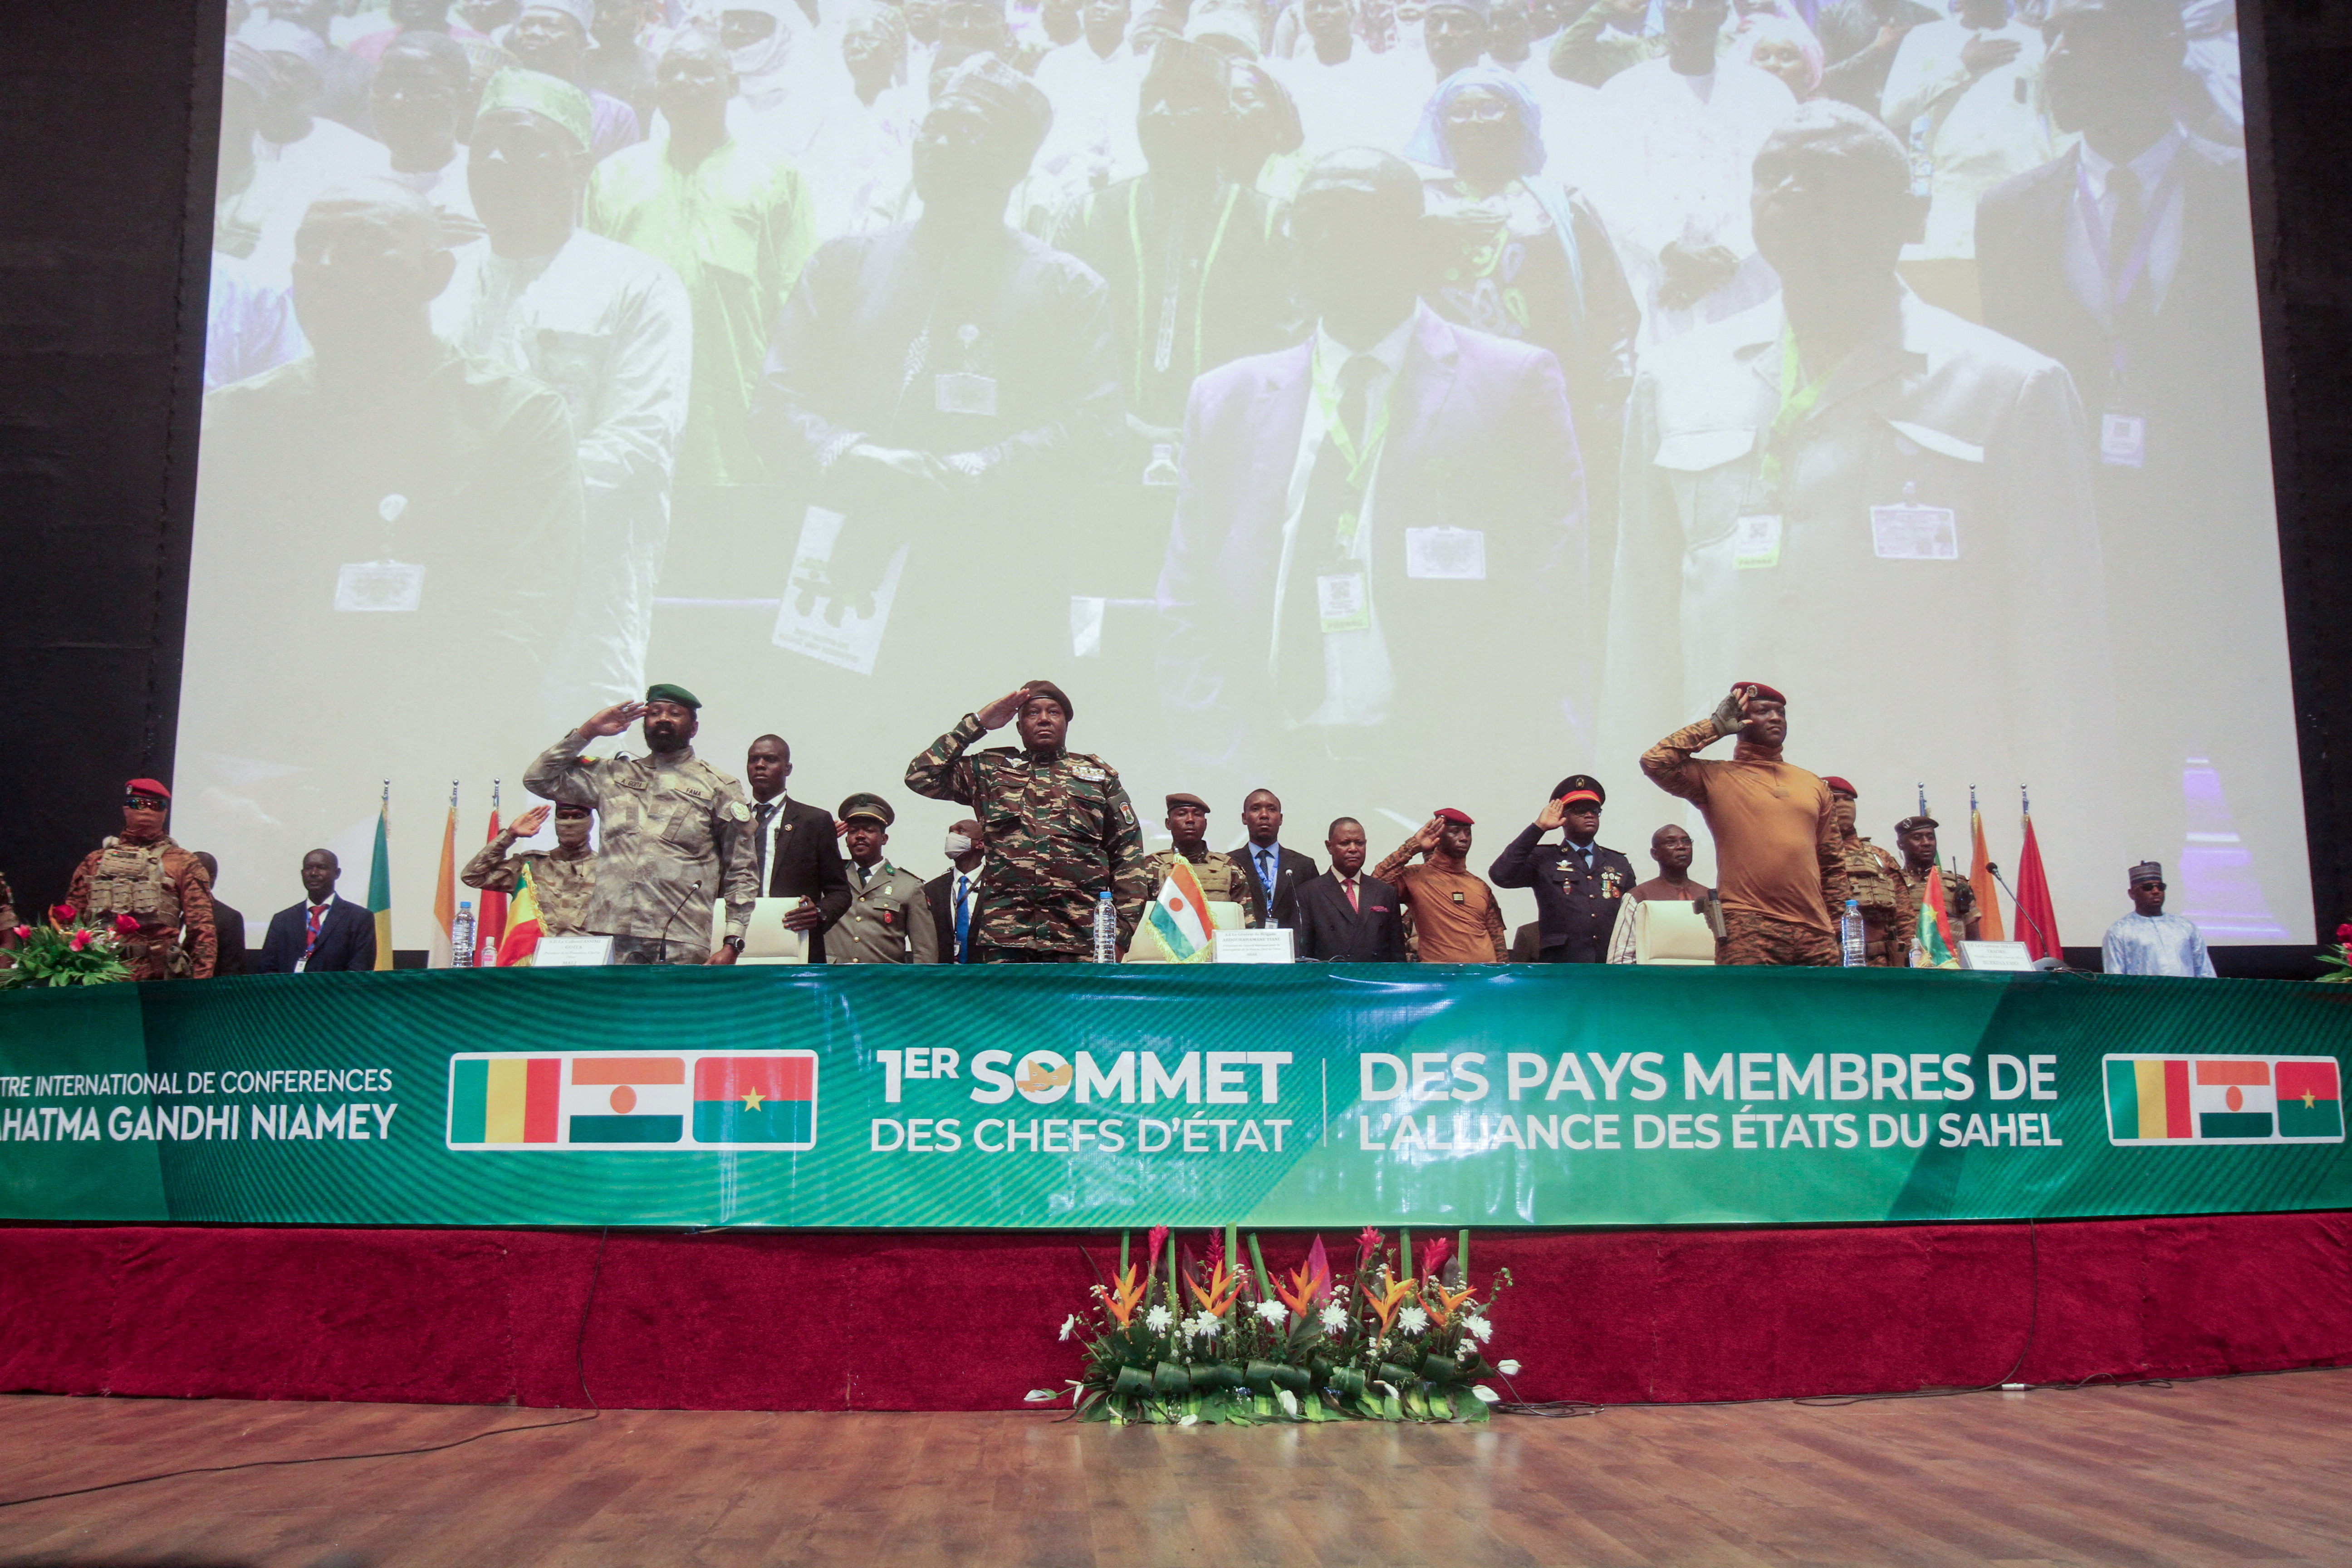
(765, 1101)
(2310, 1101)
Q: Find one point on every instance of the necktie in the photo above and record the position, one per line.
(318, 914)
(1265, 879)
(767, 809)
(2122, 228)
(1325, 545)
(964, 919)
(1350, 883)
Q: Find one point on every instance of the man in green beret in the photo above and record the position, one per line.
(1061, 830)
(676, 833)
(889, 919)
(601, 323)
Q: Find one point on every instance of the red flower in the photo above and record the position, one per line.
(126, 925)
(23, 934)
(80, 941)
(1216, 1249)
(1370, 1241)
(1158, 1242)
(2344, 931)
(1432, 1259)
(62, 912)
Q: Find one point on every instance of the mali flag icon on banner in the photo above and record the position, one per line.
(766, 1102)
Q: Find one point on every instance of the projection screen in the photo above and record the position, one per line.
(1906, 361)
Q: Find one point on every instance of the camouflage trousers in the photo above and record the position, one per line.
(1878, 943)
(654, 949)
(989, 953)
(153, 955)
(1760, 939)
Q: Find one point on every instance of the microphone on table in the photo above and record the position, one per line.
(2056, 965)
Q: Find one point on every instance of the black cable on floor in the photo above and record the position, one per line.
(579, 1362)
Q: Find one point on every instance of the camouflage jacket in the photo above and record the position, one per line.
(1221, 877)
(1959, 900)
(673, 833)
(1060, 830)
(171, 897)
(561, 885)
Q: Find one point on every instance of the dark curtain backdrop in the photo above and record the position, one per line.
(107, 121)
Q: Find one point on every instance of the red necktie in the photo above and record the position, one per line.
(1350, 885)
(318, 912)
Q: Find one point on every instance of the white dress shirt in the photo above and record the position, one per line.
(303, 963)
(2084, 272)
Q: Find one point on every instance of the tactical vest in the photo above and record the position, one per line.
(129, 880)
(1873, 883)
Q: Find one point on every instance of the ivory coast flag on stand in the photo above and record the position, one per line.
(444, 891)
(1934, 934)
(1179, 917)
(379, 901)
(492, 928)
(1980, 877)
(521, 938)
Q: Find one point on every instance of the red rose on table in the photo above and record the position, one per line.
(62, 912)
(126, 925)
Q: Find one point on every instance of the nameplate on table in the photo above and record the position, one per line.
(1251, 947)
(572, 952)
(2009, 955)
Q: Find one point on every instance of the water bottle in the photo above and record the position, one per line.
(461, 936)
(1105, 930)
(1850, 934)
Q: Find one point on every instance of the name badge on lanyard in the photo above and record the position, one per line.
(1756, 541)
(2122, 429)
(1341, 603)
(959, 391)
(2122, 439)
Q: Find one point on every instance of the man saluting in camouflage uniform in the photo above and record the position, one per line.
(676, 832)
(1060, 830)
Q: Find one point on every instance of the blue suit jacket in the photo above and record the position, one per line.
(1479, 437)
(347, 941)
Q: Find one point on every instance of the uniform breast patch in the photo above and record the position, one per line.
(739, 811)
(1090, 774)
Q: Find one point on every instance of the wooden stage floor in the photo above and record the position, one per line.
(2253, 1469)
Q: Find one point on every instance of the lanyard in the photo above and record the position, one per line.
(1796, 402)
(2143, 244)
(1142, 288)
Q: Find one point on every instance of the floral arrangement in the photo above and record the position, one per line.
(1180, 1340)
(67, 950)
(2336, 962)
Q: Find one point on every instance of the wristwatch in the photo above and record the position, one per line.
(733, 943)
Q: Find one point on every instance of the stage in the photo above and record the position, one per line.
(2199, 1473)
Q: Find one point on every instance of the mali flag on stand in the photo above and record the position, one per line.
(756, 1100)
(521, 938)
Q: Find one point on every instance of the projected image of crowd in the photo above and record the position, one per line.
(1311, 365)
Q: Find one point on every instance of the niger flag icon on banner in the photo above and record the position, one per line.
(763, 1101)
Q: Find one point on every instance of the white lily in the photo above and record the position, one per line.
(1507, 1368)
(1189, 1421)
(1287, 1400)
(1040, 1397)
(1069, 1325)
(1486, 1395)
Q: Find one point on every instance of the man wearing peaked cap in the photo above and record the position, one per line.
(142, 873)
(2149, 942)
(1780, 857)
(1222, 878)
(676, 832)
(888, 922)
(1876, 881)
(1061, 830)
(1580, 885)
(1915, 837)
(1452, 916)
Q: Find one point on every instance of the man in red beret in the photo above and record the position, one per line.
(142, 873)
(1874, 881)
(1454, 917)
(1780, 858)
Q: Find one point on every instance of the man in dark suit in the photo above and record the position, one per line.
(954, 893)
(1275, 874)
(798, 848)
(1373, 522)
(1345, 916)
(1580, 885)
(228, 926)
(321, 933)
(2130, 262)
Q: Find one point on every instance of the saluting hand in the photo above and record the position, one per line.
(1426, 840)
(614, 720)
(528, 825)
(999, 714)
(1731, 714)
(1555, 812)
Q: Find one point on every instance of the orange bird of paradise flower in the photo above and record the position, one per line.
(1304, 1288)
(1122, 1302)
(1387, 1300)
(1217, 1299)
(1443, 1303)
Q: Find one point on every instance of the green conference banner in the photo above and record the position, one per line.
(1044, 1097)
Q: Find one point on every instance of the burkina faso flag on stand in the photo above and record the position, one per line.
(1935, 935)
(762, 1099)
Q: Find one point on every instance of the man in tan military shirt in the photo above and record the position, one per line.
(1221, 877)
(562, 879)
(1916, 838)
(676, 833)
(1453, 913)
(889, 919)
(1875, 880)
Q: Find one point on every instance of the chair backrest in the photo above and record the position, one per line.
(1671, 931)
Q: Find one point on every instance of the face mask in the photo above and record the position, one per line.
(958, 845)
